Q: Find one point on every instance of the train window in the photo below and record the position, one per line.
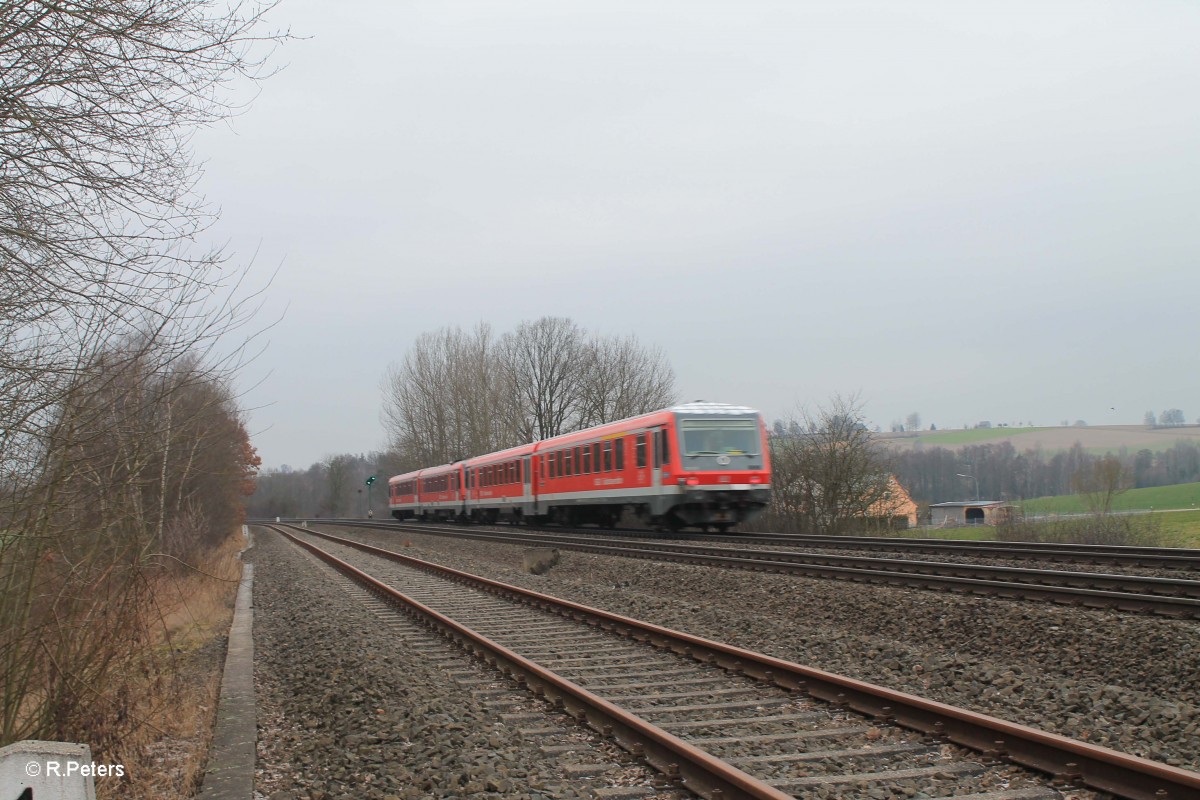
(518, 472)
(566, 463)
(619, 449)
(578, 462)
(608, 448)
(666, 451)
(657, 451)
(641, 450)
(596, 457)
(587, 459)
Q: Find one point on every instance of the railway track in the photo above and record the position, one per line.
(1175, 597)
(728, 723)
(1121, 555)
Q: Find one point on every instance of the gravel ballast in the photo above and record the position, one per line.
(355, 701)
(1122, 680)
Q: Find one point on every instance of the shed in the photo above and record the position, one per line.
(969, 512)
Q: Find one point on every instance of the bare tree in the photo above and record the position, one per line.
(1099, 482)
(415, 409)
(622, 378)
(447, 399)
(544, 366)
(831, 476)
(96, 175)
(913, 422)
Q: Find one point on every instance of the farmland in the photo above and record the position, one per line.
(1096, 439)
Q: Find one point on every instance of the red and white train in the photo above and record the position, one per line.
(699, 465)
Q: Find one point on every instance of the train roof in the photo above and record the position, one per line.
(501, 455)
(441, 469)
(701, 407)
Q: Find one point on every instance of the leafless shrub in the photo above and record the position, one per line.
(1099, 482)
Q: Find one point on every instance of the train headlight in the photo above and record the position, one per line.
(756, 479)
(693, 481)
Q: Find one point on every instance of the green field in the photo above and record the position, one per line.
(1176, 509)
(1152, 498)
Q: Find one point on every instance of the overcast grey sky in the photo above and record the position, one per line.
(983, 210)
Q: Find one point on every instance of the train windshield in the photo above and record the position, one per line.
(720, 437)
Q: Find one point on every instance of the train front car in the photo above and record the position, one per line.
(723, 468)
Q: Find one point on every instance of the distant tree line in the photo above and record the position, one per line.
(1171, 418)
(332, 487)
(932, 475)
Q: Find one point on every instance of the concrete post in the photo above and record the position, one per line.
(49, 771)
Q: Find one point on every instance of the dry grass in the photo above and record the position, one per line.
(176, 704)
(1144, 530)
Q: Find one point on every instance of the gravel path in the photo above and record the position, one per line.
(354, 701)
(1122, 680)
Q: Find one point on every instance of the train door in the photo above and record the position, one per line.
(526, 487)
(656, 440)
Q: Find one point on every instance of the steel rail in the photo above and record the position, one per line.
(1091, 765)
(1056, 586)
(692, 767)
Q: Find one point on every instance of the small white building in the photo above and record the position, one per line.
(969, 512)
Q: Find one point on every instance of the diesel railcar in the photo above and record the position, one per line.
(701, 465)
